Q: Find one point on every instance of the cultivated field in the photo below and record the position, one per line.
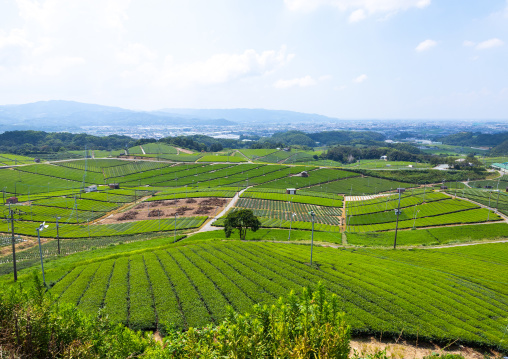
(117, 252)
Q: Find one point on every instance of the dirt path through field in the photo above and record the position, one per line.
(208, 225)
(183, 150)
(241, 154)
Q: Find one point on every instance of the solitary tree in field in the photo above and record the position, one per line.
(242, 220)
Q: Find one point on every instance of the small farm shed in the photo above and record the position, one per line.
(92, 188)
(37, 160)
(291, 191)
(384, 158)
(11, 200)
(304, 174)
(114, 186)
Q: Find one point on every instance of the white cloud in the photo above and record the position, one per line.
(134, 54)
(488, 44)
(360, 78)
(468, 43)
(52, 15)
(360, 8)
(357, 15)
(15, 37)
(425, 45)
(222, 68)
(305, 81)
(56, 65)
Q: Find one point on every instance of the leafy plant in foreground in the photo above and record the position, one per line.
(305, 326)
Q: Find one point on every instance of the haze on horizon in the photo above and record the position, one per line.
(353, 59)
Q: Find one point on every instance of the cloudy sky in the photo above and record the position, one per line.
(341, 58)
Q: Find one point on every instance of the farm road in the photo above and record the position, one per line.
(208, 226)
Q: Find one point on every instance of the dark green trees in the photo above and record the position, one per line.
(241, 220)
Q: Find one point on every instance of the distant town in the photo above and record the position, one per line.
(391, 128)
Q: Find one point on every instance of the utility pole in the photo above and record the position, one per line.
(291, 219)
(39, 229)
(58, 234)
(11, 215)
(497, 200)
(312, 237)
(174, 241)
(400, 190)
(414, 220)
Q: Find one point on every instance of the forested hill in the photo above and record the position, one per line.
(23, 142)
(325, 138)
(474, 139)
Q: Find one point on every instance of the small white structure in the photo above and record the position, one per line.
(384, 158)
(291, 191)
(92, 188)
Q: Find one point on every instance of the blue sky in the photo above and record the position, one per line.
(342, 58)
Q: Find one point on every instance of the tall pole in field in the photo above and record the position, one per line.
(414, 221)
(400, 190)
(488, 215)
(11, 214)
(312, 237)
(175, 229)
(497, 200)
(58, 234)
(39, 229)
(290, 224)
(291, 219)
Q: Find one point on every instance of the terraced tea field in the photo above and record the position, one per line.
(494, 199)
(446, 294)
(359, 186)
(118, 256)
(335, 201)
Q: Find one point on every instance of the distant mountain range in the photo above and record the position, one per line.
(245, 115)
(68, 115)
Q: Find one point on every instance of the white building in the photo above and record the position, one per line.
(92, 188)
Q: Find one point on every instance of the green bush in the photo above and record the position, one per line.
(305, 326)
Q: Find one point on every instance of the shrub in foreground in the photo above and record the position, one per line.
(309, 325)
(304, 326)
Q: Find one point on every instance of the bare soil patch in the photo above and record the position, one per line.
(183, 207)
(402, 349)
